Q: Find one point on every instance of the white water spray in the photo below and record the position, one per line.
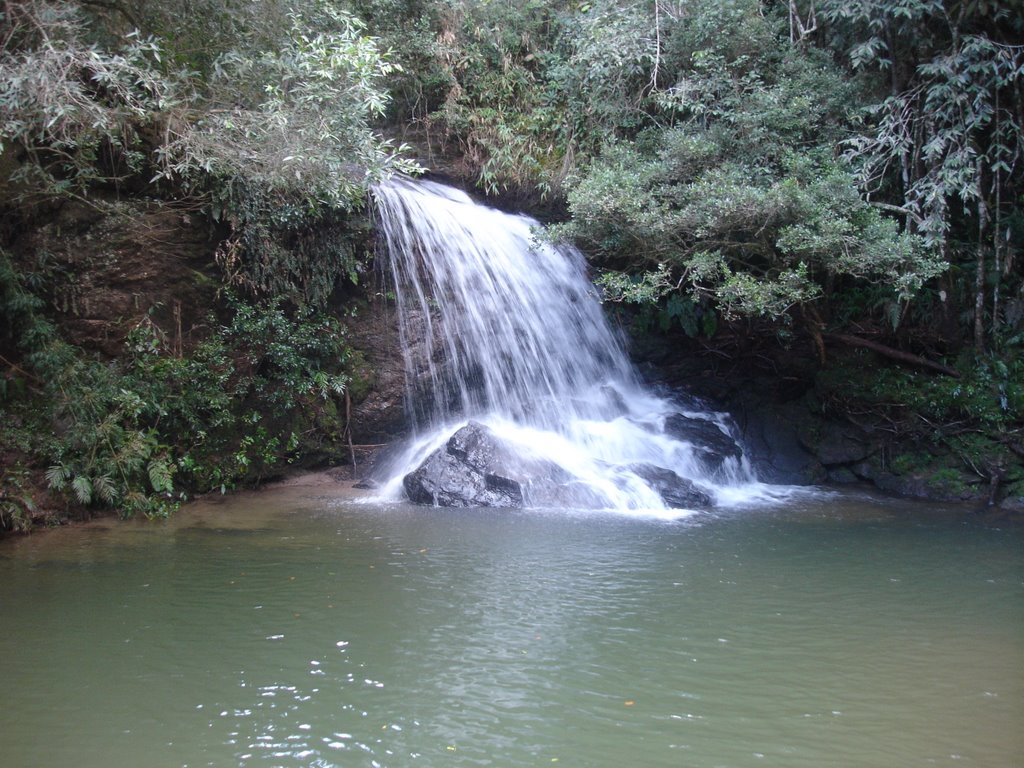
(504, 329)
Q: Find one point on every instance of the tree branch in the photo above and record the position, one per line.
(115, 7)
(901, 210)
(893, 354)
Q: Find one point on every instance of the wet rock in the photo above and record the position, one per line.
(836, 444)
(1013, 503)
(842, 476)
(938, 484)
(445, 481)
(675, 491)
(377, 390)
(614, 399)
(771, 435)
(475, 468)
(712, 444)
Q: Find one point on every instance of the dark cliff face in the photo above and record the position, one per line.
(378, 377)
(111, 263)
(783, 400)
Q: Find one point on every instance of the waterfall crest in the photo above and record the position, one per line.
(504, 331)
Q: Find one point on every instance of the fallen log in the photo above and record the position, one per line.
(893, 354)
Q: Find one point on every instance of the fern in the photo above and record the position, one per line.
(16, 504)
(104, 489)
(160, 476)
(57, 477)
(82, 488)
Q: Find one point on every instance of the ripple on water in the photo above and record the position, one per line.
(823, 631)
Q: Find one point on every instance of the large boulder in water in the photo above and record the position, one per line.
(712, 445)
(675, 491)
(476, 468)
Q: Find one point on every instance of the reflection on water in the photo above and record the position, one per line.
(300, 629)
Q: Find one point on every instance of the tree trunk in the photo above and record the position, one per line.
(979, 275)
(997, 263)
(979, 303)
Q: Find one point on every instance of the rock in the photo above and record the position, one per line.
(842, 476)
(445, 481)
(378, 377)
(615, 399)
(712, 444)
(1013, 503)
(133, 260)
(674, 490)
(477, 446)
(771, 435)
(938, 484)
(475, 468)
(837, 444)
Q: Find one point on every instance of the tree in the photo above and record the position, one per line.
(943, 143)
(72, 109)
(275, 134)
(733, 193)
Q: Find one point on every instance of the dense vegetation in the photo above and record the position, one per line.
(835, 175)
(273, 138)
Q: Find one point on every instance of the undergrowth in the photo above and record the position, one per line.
(976, 417)
(140, 433)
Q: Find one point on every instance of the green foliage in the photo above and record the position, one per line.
(520, 88)
(941, 141)
(75, 108)
(293, 121)
(103, 451)
(138, 433)
(978, 417)
(16, 503)
(298, 352)
(290, 120)
(418, 34)
(283, 147)
(195, 33)
(757, 234)
(989, 393)
(259, 114)
(301, 259)
(705, 139)
(274, 136)
(949, 121)
(19, 306)
(500, 106)
(234, 403)
(736, 195)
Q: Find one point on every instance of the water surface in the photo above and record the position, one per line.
(296, 628)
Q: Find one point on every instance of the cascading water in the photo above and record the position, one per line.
(504, 332)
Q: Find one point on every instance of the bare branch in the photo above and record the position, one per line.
(894, 354)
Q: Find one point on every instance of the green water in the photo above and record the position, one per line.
(297, 629)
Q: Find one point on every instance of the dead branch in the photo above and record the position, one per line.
(892, 354)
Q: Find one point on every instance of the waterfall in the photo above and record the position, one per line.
(504, 331)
